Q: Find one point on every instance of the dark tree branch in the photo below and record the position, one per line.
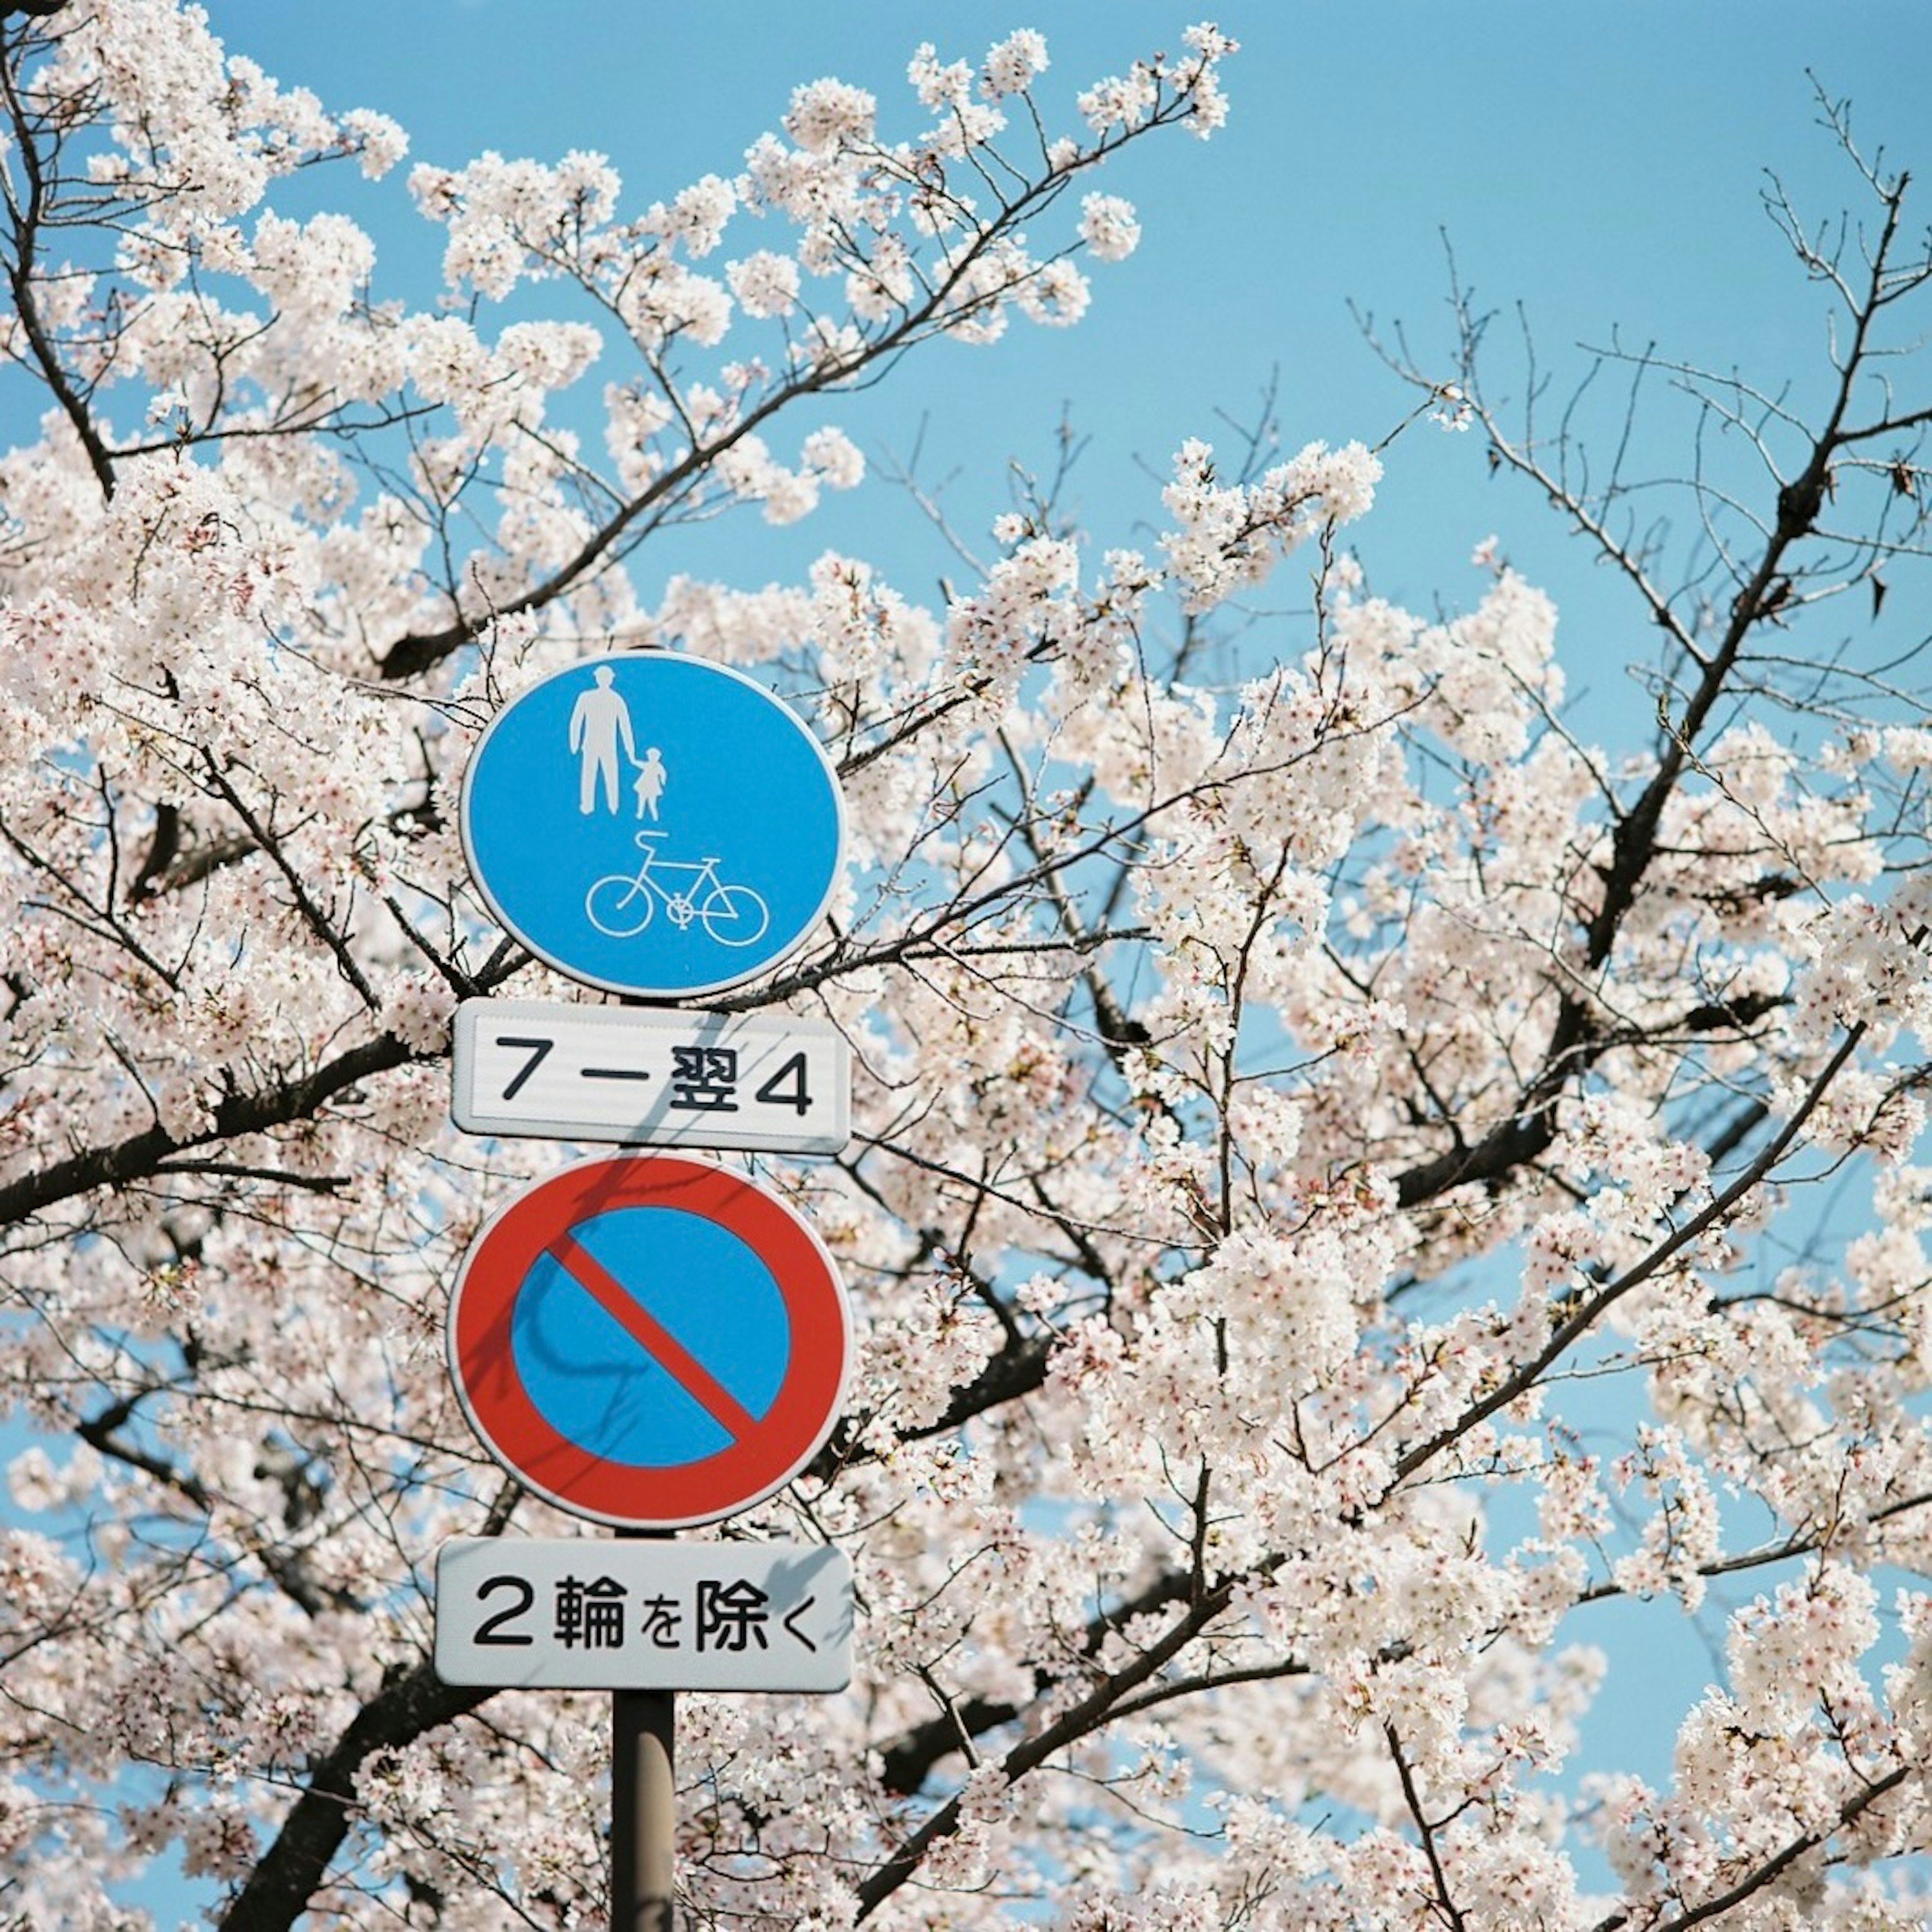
(412, 1702)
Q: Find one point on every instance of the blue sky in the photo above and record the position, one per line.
(1601, 164)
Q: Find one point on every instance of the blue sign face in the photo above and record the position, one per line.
(652, 824)
(647, 1373)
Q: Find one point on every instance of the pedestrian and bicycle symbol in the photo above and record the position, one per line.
(652, 824)
(650, 1341)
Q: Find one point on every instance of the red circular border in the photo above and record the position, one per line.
(626, 1494)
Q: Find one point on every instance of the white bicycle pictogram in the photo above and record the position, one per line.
(622, 905)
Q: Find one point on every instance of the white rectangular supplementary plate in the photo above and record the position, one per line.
(651, 1077)
(637, 1613)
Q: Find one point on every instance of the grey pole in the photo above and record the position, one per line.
(643, 1799)
(643, 1809)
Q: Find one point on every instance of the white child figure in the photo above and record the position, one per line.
(650, 784)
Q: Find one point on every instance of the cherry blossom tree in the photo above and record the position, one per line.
(1292, 1062)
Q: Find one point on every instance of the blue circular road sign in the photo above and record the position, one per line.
(653, 824)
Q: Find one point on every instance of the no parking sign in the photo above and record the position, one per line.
(650, 1341)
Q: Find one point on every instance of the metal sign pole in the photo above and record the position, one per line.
(643, 1809)
(644, 1801)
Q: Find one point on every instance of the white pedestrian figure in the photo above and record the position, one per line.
(601, 720)
(650, 784)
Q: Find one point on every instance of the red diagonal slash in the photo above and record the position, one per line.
(651, 1335)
